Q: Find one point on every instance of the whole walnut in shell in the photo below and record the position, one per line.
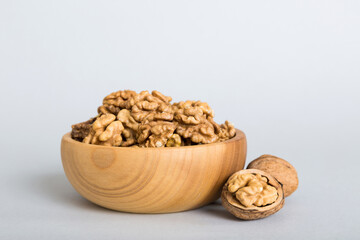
(279, 168)
(252, 194)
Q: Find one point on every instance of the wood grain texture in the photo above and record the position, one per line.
(152, 180)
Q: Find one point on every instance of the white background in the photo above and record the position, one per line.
(285, 72)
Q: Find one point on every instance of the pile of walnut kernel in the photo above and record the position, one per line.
(127, 118)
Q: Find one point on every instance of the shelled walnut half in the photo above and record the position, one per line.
(252, 194)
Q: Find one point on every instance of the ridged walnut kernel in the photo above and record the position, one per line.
(174, 141)
(146, 119)
(252, 194)
(252, 190)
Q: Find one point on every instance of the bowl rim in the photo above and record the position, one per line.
(239, 135)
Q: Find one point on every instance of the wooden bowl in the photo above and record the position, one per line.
(152, 180)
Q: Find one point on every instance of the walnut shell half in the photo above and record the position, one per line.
(282, 170)
(252, 194)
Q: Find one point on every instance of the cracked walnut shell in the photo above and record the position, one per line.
(252, 194)
(282, 170)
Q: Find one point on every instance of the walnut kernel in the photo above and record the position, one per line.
(252, 194)
(127, 118)
(81, 130)
(252, 189)
(174, 141)
(105, 131)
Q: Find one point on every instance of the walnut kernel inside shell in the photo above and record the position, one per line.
(252, 194)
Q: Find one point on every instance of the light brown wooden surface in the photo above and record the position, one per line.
(152, 180)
